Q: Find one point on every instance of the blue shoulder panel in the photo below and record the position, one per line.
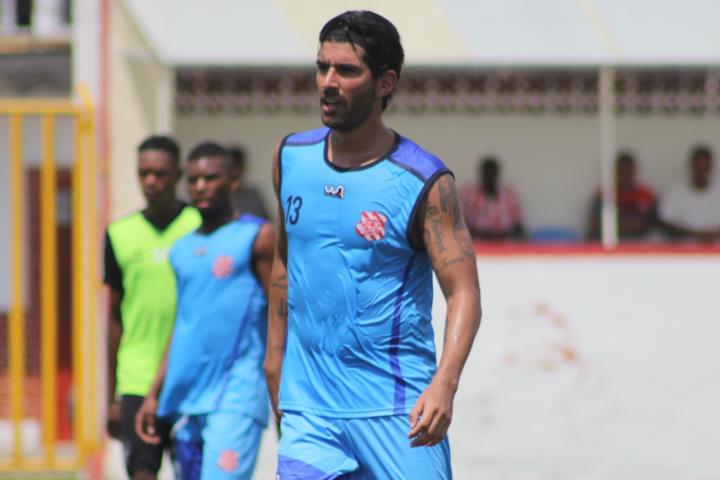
(423, 164)
(246, 217)
(307, 138)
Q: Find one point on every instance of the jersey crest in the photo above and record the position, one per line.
(222, 267)
(371, 226)
(229, 461)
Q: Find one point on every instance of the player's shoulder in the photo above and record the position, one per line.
(250, 219)
(185, 242)
(248, 226)
(125, 222)
(416, 160)
(307, 137)
(189, 213)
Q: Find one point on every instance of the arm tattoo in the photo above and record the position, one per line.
(448, 198)
(432, 214)
(449, 205)
(280, 282)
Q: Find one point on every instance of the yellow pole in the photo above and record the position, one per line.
(78, 281)
(48, 288)
(95, 285)
(17, 320)
(92, 268)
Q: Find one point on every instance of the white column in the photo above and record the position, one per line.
(7, 17)
(606, 101)
(87, 44)
(165, 101)
(47, 18)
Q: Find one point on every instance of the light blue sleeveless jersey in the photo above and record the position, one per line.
(360, 340)
(218, 342)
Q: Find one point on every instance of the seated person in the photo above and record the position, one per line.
(691, 210)
(635, 203)
(491, 208)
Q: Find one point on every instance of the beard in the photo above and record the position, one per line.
(349, 116)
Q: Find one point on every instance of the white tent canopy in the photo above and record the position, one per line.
(440, 32)
(602, 34)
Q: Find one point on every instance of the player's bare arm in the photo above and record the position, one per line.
(145, 416)
(263, 251)
(450, 248)
(277, 297)
(115, 331)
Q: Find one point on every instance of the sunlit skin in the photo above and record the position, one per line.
(625, 175)
(158, 175)
(489, 177)
(700, 168)
(346, 86)
(351, 104)
(210, 181)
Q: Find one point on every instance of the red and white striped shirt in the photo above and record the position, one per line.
(490, 214)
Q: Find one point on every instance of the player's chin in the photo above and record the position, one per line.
(335, 122)
(152, 196)
(203, 205)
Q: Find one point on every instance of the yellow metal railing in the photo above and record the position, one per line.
(85, 285)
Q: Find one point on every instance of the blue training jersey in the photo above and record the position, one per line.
(218, 342)
(359, 340)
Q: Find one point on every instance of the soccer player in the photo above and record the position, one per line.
(367, 215)
(142, 296)
(212, 381)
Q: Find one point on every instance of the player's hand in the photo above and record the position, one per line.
(278, 421)
(272, 368)
(113, 419)
(145, 421)
(431, 416)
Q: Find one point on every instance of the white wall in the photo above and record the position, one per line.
(591, 368)
(553, 161)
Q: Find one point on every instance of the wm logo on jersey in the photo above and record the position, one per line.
(336, 192)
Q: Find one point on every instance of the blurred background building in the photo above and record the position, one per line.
(554, 89)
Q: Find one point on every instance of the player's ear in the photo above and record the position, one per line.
(177, 173)
(234, 179)
(385, 85)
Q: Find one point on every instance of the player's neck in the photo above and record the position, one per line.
(163, 213)
(360, 146)
(215, 220)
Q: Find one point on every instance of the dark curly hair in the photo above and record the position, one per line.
(377, 36)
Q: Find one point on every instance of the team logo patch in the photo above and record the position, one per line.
(371, 225)
(222, 267)
(161, 254)
(335, 191)
(229, 460)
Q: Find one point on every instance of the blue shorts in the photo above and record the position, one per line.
(219, 445)
(322, 448)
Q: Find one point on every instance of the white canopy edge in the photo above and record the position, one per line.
(445, 33)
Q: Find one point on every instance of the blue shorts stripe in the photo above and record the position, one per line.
(399, 401)
(290, 468)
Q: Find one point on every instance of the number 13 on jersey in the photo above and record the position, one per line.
(292, 209)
